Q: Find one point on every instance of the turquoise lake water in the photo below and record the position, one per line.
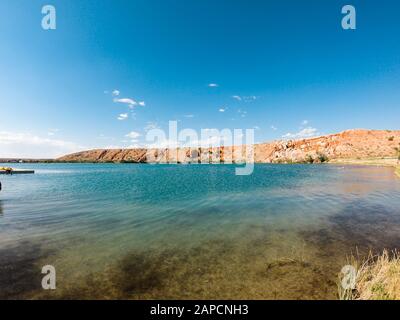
(141, 231)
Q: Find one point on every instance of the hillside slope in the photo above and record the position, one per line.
(345, 145)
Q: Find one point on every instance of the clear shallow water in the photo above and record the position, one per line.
(191, 231)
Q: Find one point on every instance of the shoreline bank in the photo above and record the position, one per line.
(378, 162)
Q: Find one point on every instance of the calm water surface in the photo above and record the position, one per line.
(191, 231)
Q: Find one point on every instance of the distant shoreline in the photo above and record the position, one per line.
(354, 147)
(378, 162)
(349, 144)
(22, 160)
(386, 162)
(382, 162)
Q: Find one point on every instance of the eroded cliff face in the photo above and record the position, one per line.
(107, 155)
(348, 144)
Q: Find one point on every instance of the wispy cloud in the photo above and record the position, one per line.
(151, 126)
(123, 116)
(133, 135)
(104, 137)
(274, 128)
(130, 102)
(189, 115)
(304, 122)
(242, 113)
(213, 85)
(250, 98)
(223, 109)
(52, 132)
(28, 145)
(245, 98)
(303, 133)
(127, 101)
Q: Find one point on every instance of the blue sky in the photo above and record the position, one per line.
(294, 68)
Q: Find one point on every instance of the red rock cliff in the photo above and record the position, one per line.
(348, 144)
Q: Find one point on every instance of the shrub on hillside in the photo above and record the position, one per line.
(397, 153)
(322, 157)
(309, 159)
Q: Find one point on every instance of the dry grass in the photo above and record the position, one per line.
(377, 278)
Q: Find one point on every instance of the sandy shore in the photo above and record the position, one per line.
(386, 162)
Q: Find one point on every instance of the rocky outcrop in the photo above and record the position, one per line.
(107, 155)
(348, 144)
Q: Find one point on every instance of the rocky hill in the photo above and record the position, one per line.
(356, 144)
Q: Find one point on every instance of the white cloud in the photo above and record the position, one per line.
(304, 133)
(163, 143)
(189, 115)
(112, 146)
(130, 102)
(27, 145)
(256, 128)
(135, 146)
(304, 122)
(133, 135)
(222, 109)
(239, 98)
(274, 128)
(52, 132)
(213, 85)
(123, 116)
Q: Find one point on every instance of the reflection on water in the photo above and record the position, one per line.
(357, 184)
(192, 232)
